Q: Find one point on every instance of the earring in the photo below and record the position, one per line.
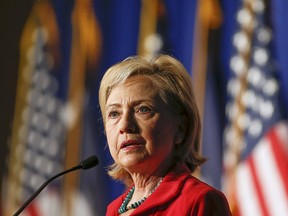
(179, 140)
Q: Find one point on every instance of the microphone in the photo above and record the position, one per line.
(85, 164)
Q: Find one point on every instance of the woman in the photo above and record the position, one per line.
(153, 131)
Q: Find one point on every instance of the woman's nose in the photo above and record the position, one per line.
(127, 124)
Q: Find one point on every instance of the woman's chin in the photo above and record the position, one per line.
(132, 161)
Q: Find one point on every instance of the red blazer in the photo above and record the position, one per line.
(179, 194)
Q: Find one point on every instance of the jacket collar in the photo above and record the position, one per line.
(169, 189)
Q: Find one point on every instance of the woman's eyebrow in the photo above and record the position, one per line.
(113, 105)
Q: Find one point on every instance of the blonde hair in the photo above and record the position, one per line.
(175, 89)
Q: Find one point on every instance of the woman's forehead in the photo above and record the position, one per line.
(137, 86)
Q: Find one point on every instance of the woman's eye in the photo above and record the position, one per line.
(144, 109)
(113, 114)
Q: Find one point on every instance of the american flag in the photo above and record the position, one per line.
(38, 136)
(47, 128)
(43, 153)
(256, 136)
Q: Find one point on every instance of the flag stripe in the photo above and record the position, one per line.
(256, 181)
(270, 180)
(33, 210)
(281, 156)
(246, 196)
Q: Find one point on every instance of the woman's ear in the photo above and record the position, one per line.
(182, 129)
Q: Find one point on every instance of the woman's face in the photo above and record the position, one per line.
(141, 130)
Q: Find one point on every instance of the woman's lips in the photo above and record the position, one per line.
(131, 144)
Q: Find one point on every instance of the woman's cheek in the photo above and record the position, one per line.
(112, 150)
